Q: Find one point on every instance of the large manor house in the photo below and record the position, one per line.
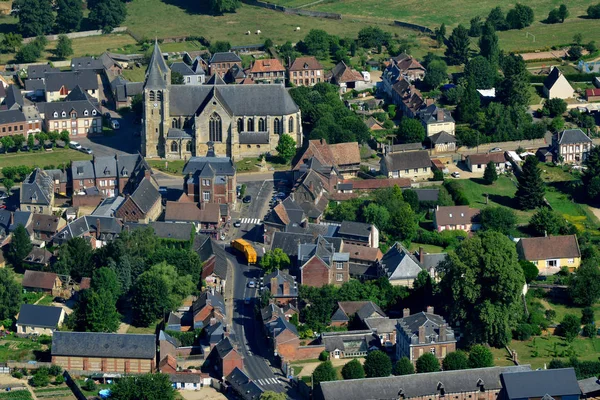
(237, 121)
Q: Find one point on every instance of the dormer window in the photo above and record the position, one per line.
(55, 114)
(450, 215)
(64, 114)
(86, 113)
(93, 112)
(73, 115)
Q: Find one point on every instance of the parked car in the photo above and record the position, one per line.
(237, 223)
(60, 300)
(247, 199)
(114, 124)
(75, 145)
(251, 284)
(455, 174)
(163, 190)
(86, 150)
(495, 150)
(3, 195)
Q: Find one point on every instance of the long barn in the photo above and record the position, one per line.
(104, 352)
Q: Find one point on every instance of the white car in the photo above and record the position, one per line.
(251, 284)
(114, 124)
(455, 174)
(75, 145)
(495, 150)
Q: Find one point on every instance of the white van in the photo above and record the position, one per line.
(114, 124)
(74, 145)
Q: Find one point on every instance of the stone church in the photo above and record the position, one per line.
(237, 121)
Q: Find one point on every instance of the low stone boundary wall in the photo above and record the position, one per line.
(296, 11)
(74, 35)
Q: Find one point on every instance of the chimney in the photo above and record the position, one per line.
(422, 334)
(405, 312)
(429, 310)
(147, 173)
(97, 228)
(214, 321)
(440, 114)
(442, 337)
(286, 288)
(274, 286)
(421, 254)
(322, 141)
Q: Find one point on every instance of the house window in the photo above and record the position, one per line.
(416, 170)
(424, 169)
(206, 196)
(214, 128)
(406, 171)
(432, 350)
(339, 265)
(55, 125)
(570, 261)
(86, 123)
(551, 263)
(64, 124)
(291, 125)
(205, 182)
(339, 277)
(188, 146)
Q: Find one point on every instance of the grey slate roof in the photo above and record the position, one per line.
(109, 206)
(220, 165)
(246, 388)
(552, 78)
(5, 226)
(87, 79)
(289, 242)
(14, 98)
(408, 160)
(399, 263)
(77, 100)
(259, 100)
(181, 68)
(226, 56)
(352, 341)
(254, 137)
(175, 133)
(215, 79)
(429, 115)
(433, 260)
(39, 71)
(282, 277)
(404, 147)
(573, 136)
(11, 116)
(34, 84)
(270, 311)
(169, 230)
(442, 137)
(589, 386)
(224, 347)
(554, 382)
(355, 229)
(381, 325)
(79, 63)
(280, 325)
(39, 316)
(157, 70)
(19, 218)
(185, 377)
(110, 228)
(432, 322)
(112, 345)
(168, 338)
(146, 195)
(427, 194)
(417, 385)
(37, 188)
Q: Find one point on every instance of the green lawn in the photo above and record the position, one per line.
(135, 74)
(17, 349)
(16, 395)
(501, 193)
(44, 158)
(428, 248)
(579, 215)
(171, 166)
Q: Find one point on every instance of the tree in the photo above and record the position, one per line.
(482, 281)
(11, 42)
(40, 378)
(377, 364)
(481, 71)
(177, 78)
(10, 294)
(106, 279)
(404, 367)
(469, 104)
(427, 363)
(97, 312)
(64, 47)
(220, 7)
(480, 356)
(563, 12)
(587, 316)
(36, 17)
(555, 106)
(89, 385)
(410, 130)
(515, 87)
(286, 147)
(584, 285)
(490, 175)
(547, 222)
(458, 46)
(28, 53)
(578, 38)
(219, 47)
(8, 184)
(324, 373)
(488, 45)
(476, 26)
(69, 15)
(553, 17)
(151, 297)
(317, 43)
(455, 360)
(499, 219)
(530, 270)
(440, 35)
(75, 258)
(519, 17)
(497, 19)
(147, 387)
(370, 37)
(108, 14)
(575, 52)
(593, 12)
(353, 370)
(20, 246)
(591, 174)
(376, 215)
(437, 73)
(530, 192)
(570, 327)
(270, 395)
(274, 259)
(412, 198)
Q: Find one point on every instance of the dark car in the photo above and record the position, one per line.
(60, 300)
(247, 199)
(237, 223)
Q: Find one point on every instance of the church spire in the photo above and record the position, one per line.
(158, 74)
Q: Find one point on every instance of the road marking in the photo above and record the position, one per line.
(251, 221)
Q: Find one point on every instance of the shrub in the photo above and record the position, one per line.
(456, 192)
(589, 330)
(550, 315)
(59, 380)
(480, 357)
(587, 316)
(89, 385)
(523, 332)
(324, 356)
(55, 370)
(17, 374)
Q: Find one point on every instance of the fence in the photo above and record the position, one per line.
(74, 35)
(415, 27)
(296, 11)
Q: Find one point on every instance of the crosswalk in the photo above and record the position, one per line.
(267, 381)
(251, 221)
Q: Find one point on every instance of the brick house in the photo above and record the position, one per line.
(210, 304)
(12, 122)
(453, 218)
(143, 205)
(210, 180)
(221, 63)
(77, 114)
(571, 146)
(306, 71)
(347, 311)
(37, 193)
(551, 253)
(413, 165)
(346, 77)
(226, 358)
(343, 157)
(45, 226)
(423, 332)
(321, 264)
(104, 352)
(267, 71)
(283, 338)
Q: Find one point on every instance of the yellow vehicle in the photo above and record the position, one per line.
(245, 248)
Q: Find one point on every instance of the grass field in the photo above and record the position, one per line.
(428, 248)
(16, 395)
(56, 157)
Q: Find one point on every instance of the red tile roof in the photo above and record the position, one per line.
(497, 157)
(269, 65)
(592, 92)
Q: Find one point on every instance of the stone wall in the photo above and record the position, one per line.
(296, 11)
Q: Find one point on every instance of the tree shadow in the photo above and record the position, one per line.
(190, 7)
(479, 181)
(505, 201)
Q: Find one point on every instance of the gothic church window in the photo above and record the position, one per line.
(214, 128)
(174, 147)
(277, 126)
(152, 98)
(261, 125)
(240, 125)
(291, 125)
(188, 146)
(250, 125)
(159, 95)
